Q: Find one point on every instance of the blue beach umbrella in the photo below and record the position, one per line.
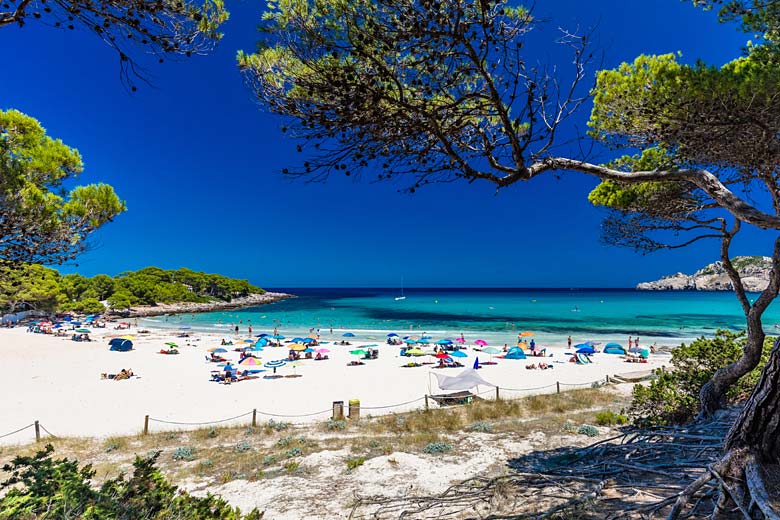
(297, 340)
(308, 340)
(277, 363)
(348, 335)
(309, 350)
(458, 353)
(444, 342)
(261, 335)
(411, 341)
(392, 335)
(426, 337)
(219, 350)
(476, 363)
(277, 336)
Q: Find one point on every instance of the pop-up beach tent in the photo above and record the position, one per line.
(121, 345)
(614, 348)
(515, 353)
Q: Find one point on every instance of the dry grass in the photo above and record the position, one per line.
(222, 454)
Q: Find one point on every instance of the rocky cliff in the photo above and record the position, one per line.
(188, 307)
(753, 270)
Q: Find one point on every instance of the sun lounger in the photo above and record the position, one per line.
(462, 397)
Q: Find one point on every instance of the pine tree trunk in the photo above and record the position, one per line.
(713, 393)
(758, 427)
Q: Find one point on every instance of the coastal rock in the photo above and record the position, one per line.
(753, 270)
(189, 307)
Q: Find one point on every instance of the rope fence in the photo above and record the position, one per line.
(337, 411)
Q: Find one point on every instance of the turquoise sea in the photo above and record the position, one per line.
(496, 315)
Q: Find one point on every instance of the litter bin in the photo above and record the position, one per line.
(338, 410)
(354, 408)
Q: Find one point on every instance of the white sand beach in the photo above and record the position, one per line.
(57, 381)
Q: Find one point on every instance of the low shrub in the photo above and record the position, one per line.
(437, 447)
(277, 426)
(292, 466)
(294, 452)
(336, 425)
(243, 447)
(587, 429)
(183, 453)
(610, 418)
(355, 463)
(480, 426)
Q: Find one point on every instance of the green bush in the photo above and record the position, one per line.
(437, 447)
(336, 425)
(587, 429)
(42, 487)
(610, 418)
(183, 453)
(673, 396)
(355, 463)
(480, 426)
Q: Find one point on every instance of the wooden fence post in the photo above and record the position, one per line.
(254, 418)
(558, 387)
(426, 402)
(607, 378)
(37, 431)
(146, 425)
(497, 397)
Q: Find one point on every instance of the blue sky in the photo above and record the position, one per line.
(199, 165)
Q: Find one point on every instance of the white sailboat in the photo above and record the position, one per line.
(402, 297)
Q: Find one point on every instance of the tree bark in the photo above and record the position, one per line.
(757, 428)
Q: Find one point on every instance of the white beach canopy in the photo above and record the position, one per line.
(466, 380)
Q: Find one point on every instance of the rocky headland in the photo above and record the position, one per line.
(189, 307)
(753, 270)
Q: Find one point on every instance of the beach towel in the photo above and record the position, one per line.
(582, 359)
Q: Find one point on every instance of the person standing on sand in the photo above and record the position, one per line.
(236, 329)
(636, 342)
(250, 330)
(569, 341)
(630, 343)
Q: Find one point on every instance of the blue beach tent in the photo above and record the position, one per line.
(614, 348)
(515, 353)
(121, 345)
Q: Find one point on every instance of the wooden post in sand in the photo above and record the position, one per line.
(497, 396)
(254, 418)
(146, 425)
(37, 431)
(558, 387)
(426, 402)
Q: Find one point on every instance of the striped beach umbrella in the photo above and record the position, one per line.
(277, 363)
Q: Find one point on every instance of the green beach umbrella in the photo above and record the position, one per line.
(83, 331)
(358, 352)
(491, 350)
(172, 344)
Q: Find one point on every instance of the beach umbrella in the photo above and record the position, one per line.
(410, 341)
(308, 340)
(426, 337)
(66, 318)
(444, 342)
(250, 362)
(261, 335)
(358, 352)
(57, 326)
(481, 342)
(121, 323)
(476, 363)
(248, 340)
(491, 350)
(322, 351)
(415, 352)
(458, 353)
(83, 331)
(277, 336)
(297, 340)
(76, 323)
(442, 355)
(348, 335)
(309, 350)
(526, 334)
(169, 343)
(297, 346)
(277, 363)
(392, 335)
(217, 350)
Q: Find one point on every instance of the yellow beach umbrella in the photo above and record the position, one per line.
(297, 346)
(131, 338)
(415, 352)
